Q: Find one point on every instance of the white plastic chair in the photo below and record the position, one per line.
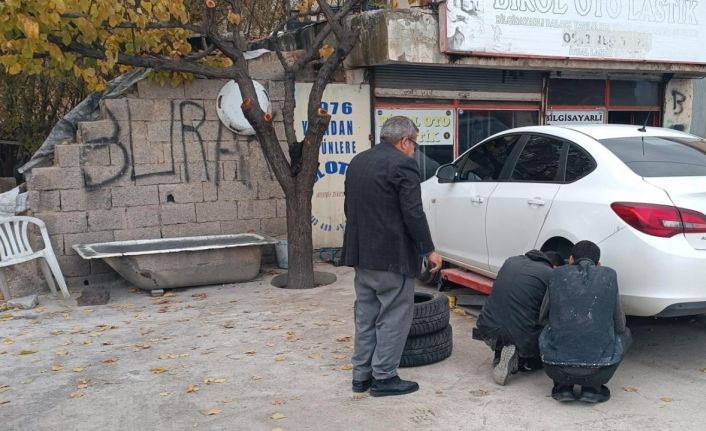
(15, 248)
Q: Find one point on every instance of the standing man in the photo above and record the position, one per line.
(386, 237)
(586, 338)
(509, 323)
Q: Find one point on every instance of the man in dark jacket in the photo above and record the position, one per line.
(509, 322)
(585, 338)
(385, 239)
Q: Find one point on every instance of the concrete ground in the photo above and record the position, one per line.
(254, 357)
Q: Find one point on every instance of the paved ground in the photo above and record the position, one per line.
(279, 359)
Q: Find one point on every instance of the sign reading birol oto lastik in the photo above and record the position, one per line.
(347, 135)
(648, 30)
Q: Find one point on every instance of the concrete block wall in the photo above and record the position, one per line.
(157, 164)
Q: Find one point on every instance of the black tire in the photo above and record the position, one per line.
(427, 349)
(431, 314)
(428, 277)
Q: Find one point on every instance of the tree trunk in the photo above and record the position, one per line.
(300, 248)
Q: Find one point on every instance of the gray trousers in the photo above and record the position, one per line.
(383, 316)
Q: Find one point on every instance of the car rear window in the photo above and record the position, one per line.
(652, 156)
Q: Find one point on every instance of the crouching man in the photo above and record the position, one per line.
(585, 338)
(509, 322)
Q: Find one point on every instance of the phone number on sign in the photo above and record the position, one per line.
(613, 40)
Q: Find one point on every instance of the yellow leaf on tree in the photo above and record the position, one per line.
(234, 18)
(326, 51)
(14, 70)
(30, 28)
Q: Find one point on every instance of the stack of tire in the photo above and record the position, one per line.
(430, 338)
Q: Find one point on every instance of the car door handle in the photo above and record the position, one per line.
(477, 200)
(536, 201)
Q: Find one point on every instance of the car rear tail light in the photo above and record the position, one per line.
(660, 220)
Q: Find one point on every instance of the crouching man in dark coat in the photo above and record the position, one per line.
(509, 322)
(585, 339)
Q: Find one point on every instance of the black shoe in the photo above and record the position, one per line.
(361, 385)
(563, 393)
(392, 386)
(595, 395)
(530, 364)
(506, 366)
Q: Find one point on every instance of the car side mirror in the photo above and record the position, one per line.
(447, 173)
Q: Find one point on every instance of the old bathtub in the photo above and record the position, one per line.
(158, 264)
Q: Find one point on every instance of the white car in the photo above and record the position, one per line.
(639, 193)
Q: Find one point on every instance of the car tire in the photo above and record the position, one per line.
(427, 349)
(431, 314)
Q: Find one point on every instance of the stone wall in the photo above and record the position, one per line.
(157, 164)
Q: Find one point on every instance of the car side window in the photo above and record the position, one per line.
(578, 164)
(485, 162)
(539, 160)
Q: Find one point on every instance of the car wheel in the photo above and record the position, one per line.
(431, 314)
(427, 349)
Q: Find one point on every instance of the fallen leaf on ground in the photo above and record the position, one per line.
(344, 338)
(278, 402)
(109, 361)
(251, 352)
(140, 346)
(270, 344)
(56, 332)
(347, 367)
(163, 394)
(27, 352)
(210, 380)
(315, 356)
(61, 353)
(89, 341)
(190, 388)
(629, 389)
(83, 383)
(280, 358)
(291, 336)
(162, 301)
(667, 399)
(158, 370)
(339, 357)
(4, 388)
(78, 369)
(227, 401)
(256, 377)
(77, 394)
(6, 316)
(277, 416)
(57, 367)
(212, 412)
(459, 311)
(200, 296)
(107, 343)
(7, 341)
(168, 294)
(229, 324)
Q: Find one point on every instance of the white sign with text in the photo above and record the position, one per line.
(563, 118)
(436, 126)
(648, 30)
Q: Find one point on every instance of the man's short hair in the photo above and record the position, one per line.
(396, 128)
(586, 250)
(554, 257)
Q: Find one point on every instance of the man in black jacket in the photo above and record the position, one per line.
(509, 322)
(585, 338)
(385, 239)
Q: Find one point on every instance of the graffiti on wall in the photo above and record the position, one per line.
(180, 130)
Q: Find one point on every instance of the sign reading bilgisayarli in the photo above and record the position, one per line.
(563, 118)
(646, 30)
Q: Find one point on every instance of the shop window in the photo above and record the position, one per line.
(476, 125)
(634, 93)
(430, 157)
(574, 92)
